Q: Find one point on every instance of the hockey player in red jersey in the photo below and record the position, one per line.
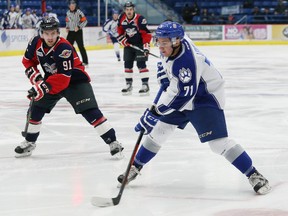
(132, 30)
(64, 76)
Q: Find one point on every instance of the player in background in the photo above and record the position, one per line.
(132, 29)
(28, 20)
(75, 22)
(64, 76)
(194, 93)
(50, 13)
(110, 27)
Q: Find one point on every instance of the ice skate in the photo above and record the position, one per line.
(25, 149)
(132, 175)
(116, 150)
(259, 183)
(144, 90)
(128, 89)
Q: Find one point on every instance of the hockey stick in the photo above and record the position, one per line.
(105, 202)
(100, 38)
(137, 48)
(24, 133)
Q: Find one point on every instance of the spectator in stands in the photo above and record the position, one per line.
(256, 11)
(195, 10)
(266, 15)
(4, 22)
(230, 19)
(205, 16)
(19, 16)
(280, 8)
(12, 17)
(28, 20)
(248, 4)
(187, 14)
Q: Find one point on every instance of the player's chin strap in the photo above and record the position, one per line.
(174, 48)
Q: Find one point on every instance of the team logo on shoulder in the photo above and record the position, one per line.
(65, 54)
(185, 75)
(144, 21)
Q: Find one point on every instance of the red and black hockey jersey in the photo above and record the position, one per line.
(60, 63)
(135, 30)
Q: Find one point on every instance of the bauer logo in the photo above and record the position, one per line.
(285, 32)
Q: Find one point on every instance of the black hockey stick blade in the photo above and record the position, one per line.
(23, 133)
(105, 202)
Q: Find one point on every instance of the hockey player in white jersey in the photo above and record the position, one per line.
(194, 93)
(110, 27)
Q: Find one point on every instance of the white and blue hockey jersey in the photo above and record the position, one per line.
(110, 27)
(194, 81)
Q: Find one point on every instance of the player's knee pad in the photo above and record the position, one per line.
(37, 113)
(221, 146)
(159, 135)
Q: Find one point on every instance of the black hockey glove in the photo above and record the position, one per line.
(146, 48)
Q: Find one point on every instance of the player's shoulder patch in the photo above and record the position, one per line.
(185, 75)
(66, 53)
(144, 21)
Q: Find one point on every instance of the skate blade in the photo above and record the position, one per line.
(118, 156)
(264, 190)
(144, 94)
(27, 154)
(126, 93)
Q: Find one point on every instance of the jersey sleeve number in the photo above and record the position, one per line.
(67, 65)
(188, 90)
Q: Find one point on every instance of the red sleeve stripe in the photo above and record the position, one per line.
(98, 122)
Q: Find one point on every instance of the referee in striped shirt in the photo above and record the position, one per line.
(75, 22)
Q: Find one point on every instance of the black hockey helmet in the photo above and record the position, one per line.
(72, 2)
(49, 23)
(129, 4)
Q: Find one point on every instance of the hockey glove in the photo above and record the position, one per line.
(162, 76)
(33, 75)
(146, 48)
(38, 90)
(147, 122)
(123, 40)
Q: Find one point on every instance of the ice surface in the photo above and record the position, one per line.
(71, 163)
